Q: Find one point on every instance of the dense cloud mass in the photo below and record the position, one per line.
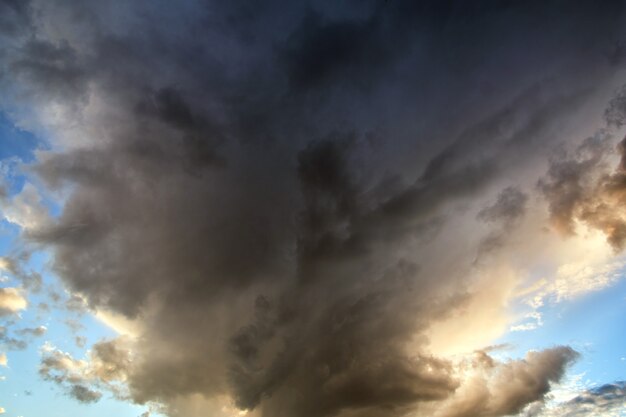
(285, 198)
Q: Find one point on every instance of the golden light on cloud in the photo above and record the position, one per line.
(478, 322)
(119, 323)
(12, 300)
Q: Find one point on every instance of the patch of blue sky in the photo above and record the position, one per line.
(594, 324)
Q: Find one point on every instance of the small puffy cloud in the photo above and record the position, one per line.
(34, 331)
(2, 410)
(11, 301)
(3, 359)
(84, 394)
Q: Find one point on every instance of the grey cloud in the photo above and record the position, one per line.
(615, 113)
(509, 387)
(11, 343)
(505, 213)
(223, 190)
(15, 265)
(35, 331)
(84, 395)
(509, 206)
(51, 69)
(15, 16)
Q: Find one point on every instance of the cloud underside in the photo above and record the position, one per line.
(285, 216)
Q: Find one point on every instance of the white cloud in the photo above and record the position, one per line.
(11, 301)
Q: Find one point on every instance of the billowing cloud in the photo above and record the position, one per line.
(580, 186)
(498, 389)
(288, 221)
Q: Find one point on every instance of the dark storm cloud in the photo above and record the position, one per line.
(226, 189)
(50, 68)
(14, 17)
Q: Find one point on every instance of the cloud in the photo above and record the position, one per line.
(280, 220)
(104, 369)
(11, 343)
(36, 331)
(14, 265)
(11, 301)
(83, 394)
(3, 359)
(604, 400)
(581, 188)
(499, 389)
(509, 206)
(25, 209)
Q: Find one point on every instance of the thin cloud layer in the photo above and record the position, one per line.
(282, 198)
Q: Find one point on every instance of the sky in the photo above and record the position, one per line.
(353, 208)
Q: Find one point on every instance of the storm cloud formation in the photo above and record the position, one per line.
(277, 194)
